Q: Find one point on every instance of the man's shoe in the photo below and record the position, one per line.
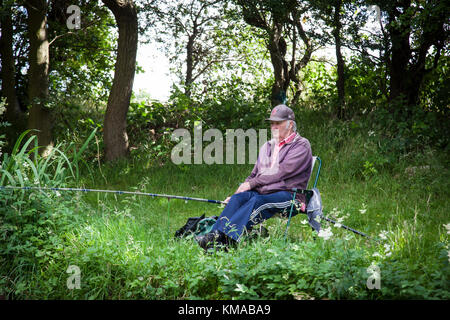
(215, 240)
(208, 240)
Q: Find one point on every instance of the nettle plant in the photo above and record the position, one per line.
(2, 124)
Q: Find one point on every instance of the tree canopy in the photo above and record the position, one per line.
(385, 55)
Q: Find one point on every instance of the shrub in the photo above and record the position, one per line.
(33, 223)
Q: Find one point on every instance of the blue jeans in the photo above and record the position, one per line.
(246, 209)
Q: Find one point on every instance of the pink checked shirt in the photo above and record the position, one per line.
(278, 147)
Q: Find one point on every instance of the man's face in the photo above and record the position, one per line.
(279, 129)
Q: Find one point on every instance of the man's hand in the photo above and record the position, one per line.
(243, 187)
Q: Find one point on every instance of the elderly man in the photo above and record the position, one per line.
(283, 163)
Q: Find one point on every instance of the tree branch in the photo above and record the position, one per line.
(72, 32)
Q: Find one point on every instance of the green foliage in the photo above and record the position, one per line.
(82, 61)
(33, 224)
(319, 88)
(25, 166)
(32, 232)
(222, 106)
(365, 86)
(203, 40)
(235, 104)
(403, 133)
(434, 95)
(398, 129)
(20, 168)
(125, 249)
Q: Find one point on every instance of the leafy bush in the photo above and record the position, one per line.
(33, 223)
(402, 133)
(31, 239)
(318, 86)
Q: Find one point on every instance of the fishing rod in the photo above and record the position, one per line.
(344, 226)
(168, 196)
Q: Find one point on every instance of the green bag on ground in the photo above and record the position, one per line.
(196, 226)
(205, 225)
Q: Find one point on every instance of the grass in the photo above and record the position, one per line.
(125, 247)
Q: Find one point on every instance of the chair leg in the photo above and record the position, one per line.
(290, 215)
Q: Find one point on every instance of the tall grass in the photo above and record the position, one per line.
(24, 165)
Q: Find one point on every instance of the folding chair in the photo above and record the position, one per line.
(307, 192)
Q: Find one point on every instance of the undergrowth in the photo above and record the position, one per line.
(124, 247)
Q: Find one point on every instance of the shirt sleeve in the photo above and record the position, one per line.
(254, 172)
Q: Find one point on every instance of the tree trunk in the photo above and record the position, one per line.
(400, 54)
(297, 66)
(407, 64)
(13, 113)
(39, 117)
(340, 82)
(405, 79)
(189, 65)
(277, 48)
(115, 134)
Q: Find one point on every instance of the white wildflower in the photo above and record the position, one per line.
(334, 212)
(387, 250)
(376, 254)
(130, 239)
(325, 233)
(304, 221)
(364, 209)
(383, 235)
(338, 225)
(447, 226)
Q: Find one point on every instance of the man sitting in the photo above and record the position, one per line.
(283, 163)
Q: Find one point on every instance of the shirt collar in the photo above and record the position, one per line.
(287, 139)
